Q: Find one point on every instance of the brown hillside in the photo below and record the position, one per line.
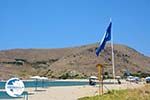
(77, 61)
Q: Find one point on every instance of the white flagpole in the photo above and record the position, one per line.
(112, 48)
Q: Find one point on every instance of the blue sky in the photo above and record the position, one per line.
(68, 23)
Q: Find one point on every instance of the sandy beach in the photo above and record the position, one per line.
(74, 92)
(62, 93)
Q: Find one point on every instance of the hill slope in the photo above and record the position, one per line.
(77, 61)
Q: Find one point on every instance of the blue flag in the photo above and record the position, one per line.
(107, 37)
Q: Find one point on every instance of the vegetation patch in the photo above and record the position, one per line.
(71, 75)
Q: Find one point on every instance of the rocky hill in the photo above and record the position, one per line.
(78, 62)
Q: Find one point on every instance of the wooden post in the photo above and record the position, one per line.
(100, 77)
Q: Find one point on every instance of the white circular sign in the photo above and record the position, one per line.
(14, 87)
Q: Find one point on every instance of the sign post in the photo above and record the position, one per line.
(100, 77)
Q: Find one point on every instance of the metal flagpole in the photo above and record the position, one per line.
(112, 48)
(106, 37)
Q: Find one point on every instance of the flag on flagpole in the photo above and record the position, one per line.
(106, 37)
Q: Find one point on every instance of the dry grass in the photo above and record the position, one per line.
(142, 93)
